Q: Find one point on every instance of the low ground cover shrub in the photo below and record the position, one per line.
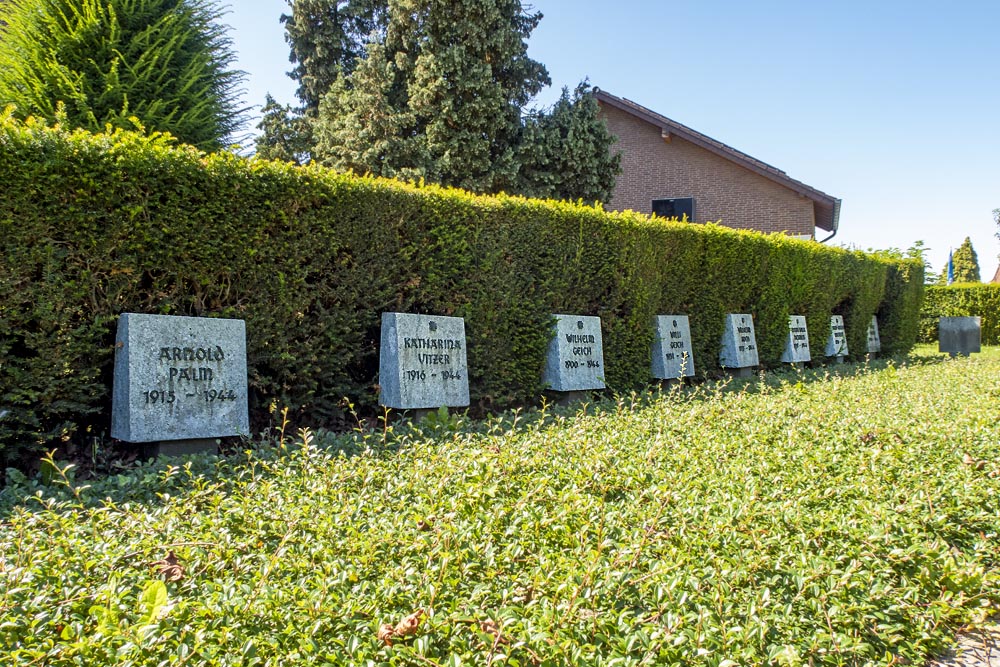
(958, 301)
(787, 521)
(92, 226)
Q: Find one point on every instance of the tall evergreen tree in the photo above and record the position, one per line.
(966, 263)
(164, 62)
(440, 97)
(285, 134)
(326, 39)
(565, 153)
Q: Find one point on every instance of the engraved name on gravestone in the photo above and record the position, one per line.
(836, 343)
(422, 363)
(959, 335)
(739, 343)
(797, 344)
(672, 354)
(575, 360)
(179, 378)
(874, 342)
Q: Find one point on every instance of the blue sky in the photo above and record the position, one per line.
(892, 106)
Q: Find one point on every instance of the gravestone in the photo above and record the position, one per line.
(874, 342)
(739, 345)
(836, 344)
(797, 345)
(179, 381)
(672, 353)
(959, 335)
(422, 363)
(575, 361)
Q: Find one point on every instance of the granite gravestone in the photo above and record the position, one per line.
(874, 342)
(422, 363)
(179, 379)
(575, 360)
(739, 344)
(797, 344)
(672, 354)
(836, 344)
(959, 335)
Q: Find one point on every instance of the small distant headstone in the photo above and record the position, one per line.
(874, 342)
(836, 344)
(797, 345)
(739, 343)
(422, 363)
(959, 335)
(672, 353)
(575, 360)
(179, 379)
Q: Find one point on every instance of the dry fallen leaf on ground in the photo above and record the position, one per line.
(169, 567)
(408, 626)
(385, 632)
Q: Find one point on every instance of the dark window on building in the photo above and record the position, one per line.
(676, 207)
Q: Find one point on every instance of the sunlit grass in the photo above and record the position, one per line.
(809, 518)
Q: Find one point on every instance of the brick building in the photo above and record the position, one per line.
(670, 169)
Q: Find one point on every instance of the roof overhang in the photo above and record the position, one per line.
(826, 207)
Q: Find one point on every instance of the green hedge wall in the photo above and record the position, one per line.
(95, 225)
(960, 300)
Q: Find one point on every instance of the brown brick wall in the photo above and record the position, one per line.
(653, 168)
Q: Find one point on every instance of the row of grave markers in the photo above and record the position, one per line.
(185, 378)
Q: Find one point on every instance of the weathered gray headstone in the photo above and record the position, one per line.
(575, 360)
(836, 344)
(422, 363)
(797, 345)
(739, 343)
(874, 342)
(672, 353)
(179, 378)
(959, 335)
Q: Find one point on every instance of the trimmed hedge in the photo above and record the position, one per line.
(962, 300)
(95, 225)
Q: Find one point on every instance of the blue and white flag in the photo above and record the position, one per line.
(951, 269)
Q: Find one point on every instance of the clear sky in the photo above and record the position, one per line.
(892, 106)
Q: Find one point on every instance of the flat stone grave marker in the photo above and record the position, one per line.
(797, 345)
(179, 378)
(836, 343)
(739, 343)
(874, 342)
(422, 363)
(575, 360)
(959, 335)
(672, 353)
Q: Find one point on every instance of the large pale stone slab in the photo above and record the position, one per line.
(797, 344)
(739, 342)
(672, 353)
(959, 335)
(874, 342)
(836, 343)
(179, 378)
(422, 363)
(575, 360)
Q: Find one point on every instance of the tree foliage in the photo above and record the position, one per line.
(565, 153)
(439, 98)
(966, 265)
(326, 38)
(163, 62)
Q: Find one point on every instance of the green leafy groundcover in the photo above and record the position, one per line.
(792, 520)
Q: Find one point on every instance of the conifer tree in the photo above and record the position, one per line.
(565, 152)
(440, 97)
(164, 62)
(966, 263)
